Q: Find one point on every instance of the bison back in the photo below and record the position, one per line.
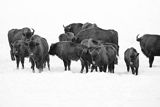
(98, 34)
(150, 44)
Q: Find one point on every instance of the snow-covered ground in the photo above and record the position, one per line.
(59, 88)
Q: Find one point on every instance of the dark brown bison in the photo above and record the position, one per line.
(67, 51)
(18, 34)
(99, 57)
(110, 36)
(103, 56)
(150, 46)
(89, 43)
(73, 27)
(66, 36)
(112, 57)
(20, 51)
(131, 58)
(38, 52)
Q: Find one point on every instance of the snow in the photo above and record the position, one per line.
(22, 88)
(59, 88)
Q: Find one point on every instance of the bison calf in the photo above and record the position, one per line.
(131, 58)
(20, 51)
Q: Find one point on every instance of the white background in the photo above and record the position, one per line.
(58, 88)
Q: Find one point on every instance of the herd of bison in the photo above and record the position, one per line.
(95, 47)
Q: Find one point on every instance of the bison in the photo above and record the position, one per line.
(20, 51)
(150, 46)
(110, 36)
(110, 48)
(103, 56)
(73, 27)
(67, 51)
(89, 43)
(99, 57)
(66, 36)
(18, 34)
(131, 58)
(38, 52)
(112, 57)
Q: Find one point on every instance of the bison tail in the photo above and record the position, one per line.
(138, 39)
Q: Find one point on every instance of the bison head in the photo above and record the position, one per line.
(27, 33)
(16, 47)
(67, 28)
(94, 52)
(19, 47)
(52, 50)
(32, 48)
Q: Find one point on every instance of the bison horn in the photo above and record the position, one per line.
(138, 39)
(64, 26)
(33, 31)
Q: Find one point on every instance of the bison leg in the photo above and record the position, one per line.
(82, 65)
(86, 66)
(12, 55)
(92, 68)
(69, 64)
(151, 59)
(105, 68)
(133, 70)
(89, 65)
(65, 65)
(112, 68)
(17, 61)
(48, 60)
(96, 68)
(128, 67)
(32, 64)
(22, 62)
(100, 68)
(136, 71)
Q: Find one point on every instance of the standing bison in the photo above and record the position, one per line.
(99, 57)
(20, 51)
(103, 56)
(150, 46)
(38, 52)
(18, 34)
(67, 51)
(131, 58)
(96, 33)
(75, 28)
